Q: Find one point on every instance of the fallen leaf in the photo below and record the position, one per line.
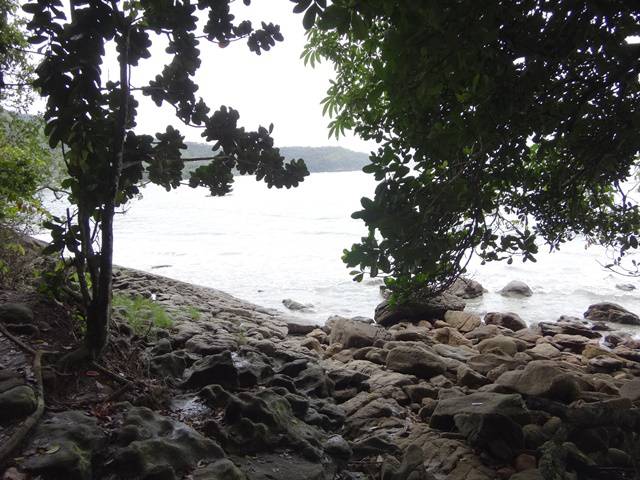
(91, 373)
(52, 450)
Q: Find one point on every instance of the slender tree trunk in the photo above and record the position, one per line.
(99, 313)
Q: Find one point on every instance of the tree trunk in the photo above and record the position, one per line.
(99, 314)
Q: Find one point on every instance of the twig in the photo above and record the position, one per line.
(16, 340)
(18, 436)
(109, 373)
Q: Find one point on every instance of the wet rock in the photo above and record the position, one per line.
(509, 320)
(252, 367)
(516, 288)
(605, 363)
(466, 288)
(219, 369)
(542, 378)
(482, 332)
(16, 313)
(16, 403)
(418, 307)
(354, 334)
(611, 312)
(296, 306)
(312, 344)
(415, 360)
(72, 439)
(480, 403)
(626, 287)
(464, 322)
(297, 326)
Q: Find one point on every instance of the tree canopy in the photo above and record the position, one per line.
(499, 126)
(94, 121)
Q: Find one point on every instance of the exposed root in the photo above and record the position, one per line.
(23, 430)
(16, 340)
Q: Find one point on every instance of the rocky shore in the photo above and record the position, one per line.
(424, 392)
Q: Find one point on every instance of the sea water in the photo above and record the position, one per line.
(265, 245)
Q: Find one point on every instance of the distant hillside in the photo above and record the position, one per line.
(318, 159)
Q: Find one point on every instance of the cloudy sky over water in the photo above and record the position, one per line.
(274, 87)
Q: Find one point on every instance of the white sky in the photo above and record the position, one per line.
(273, 87)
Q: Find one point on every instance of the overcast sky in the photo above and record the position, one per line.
(274, 87)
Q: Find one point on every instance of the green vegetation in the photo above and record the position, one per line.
(455, 94)
(141, 313)
(24, 159)
(94, 121)
(193, 313)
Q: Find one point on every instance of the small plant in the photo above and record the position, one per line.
(141, 313)
(193, 313)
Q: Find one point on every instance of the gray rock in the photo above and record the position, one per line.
(493, 432)
(290, 467)
(172, 364)
(516, 288)
(73, 439)
(17, 403)
(478, 403)
(466, 288)
(296, 306)
(16, 313)
(418, 307)
(338, 448)
(626, 287)
(543, 378)
(631, 390)
(470, 378)
(219, 369)
(223, 469)
(509, 320)
(355, 334)
(464, 322)
(499, 345)
(611, 312)
(414, 360)
(155, 446)
(300, 327)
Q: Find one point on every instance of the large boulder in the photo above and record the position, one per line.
(516, 288)
(611, 312)
(466, 288)
(355, 334)
(155, 446)
(415, 360)
(418, 307)
(479, 403)
(543, 378)
(16, 403)
(16, 313)
(219, 369)
(464, 322)
(67, 444)
(510, 320)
